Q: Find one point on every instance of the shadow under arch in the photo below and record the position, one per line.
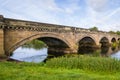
(38, 36)
(86, 45)
(118, 39)
(55, 45)
(113, 40)
(104, 42)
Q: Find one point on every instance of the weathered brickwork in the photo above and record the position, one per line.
(1, 42)
(14, 33)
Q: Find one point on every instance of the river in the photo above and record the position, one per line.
(33, 55)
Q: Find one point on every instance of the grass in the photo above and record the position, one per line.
(63, 68)
(96, 64)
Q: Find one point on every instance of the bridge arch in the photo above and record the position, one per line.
(118, 39)
(88, 39)
(86, 44)
(38, 36)
(85, 36)
(113, 40)
(104, 41)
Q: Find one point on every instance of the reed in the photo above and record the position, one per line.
(64, 68)
(86, 63)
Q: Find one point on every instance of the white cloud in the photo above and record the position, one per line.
(97, 5)
(69, 12)
(102, 16)
(117, 11)
(69, 6)
(31, 10)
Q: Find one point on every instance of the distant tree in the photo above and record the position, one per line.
(118, 32)
(112, 32)
(94, 28)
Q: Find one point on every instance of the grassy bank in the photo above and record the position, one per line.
(96, 64)
(64, 68)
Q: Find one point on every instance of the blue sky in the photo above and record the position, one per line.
(105, 14)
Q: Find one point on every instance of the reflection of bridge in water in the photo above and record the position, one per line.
(59, 38)
(107, 51)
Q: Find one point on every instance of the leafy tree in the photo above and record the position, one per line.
(118, 32)
(112, 32)
(36, 44)
(94, 28)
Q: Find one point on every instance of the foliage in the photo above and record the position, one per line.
(88, 63)
(118, 32)
(112, 32)
(36, 44)
(32, 71)
(114, 44)
(94, 28)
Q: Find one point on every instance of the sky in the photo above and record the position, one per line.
(104, 14)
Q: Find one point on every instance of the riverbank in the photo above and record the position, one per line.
(63, 68)
(3, 58)
(32, 71)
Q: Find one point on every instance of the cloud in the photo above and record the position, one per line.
(81, 13)
(68, 6)
(103, 14)
(112, 14)
(42, 10)
(97, 5)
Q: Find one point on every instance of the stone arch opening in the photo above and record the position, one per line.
(55, 46)
(57, 40)
(118, 42)
(113, 44)
(113, 40)
(118, 39)
(104, 42)
(86, 45)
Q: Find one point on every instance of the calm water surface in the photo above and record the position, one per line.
(30, 54)
(33, 55)
(116, 55)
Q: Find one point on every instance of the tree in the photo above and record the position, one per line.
(118, 32)
(94, 28)
(112, 32)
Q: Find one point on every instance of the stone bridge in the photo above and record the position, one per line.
(59, 38)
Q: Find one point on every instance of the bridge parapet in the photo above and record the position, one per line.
(34, 26)
(13, 24)
(45, 27)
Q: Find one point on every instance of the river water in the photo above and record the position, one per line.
(30, 54)
(33, 55)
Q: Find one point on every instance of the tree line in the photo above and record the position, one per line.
(112, 32)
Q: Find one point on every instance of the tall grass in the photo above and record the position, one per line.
(32, 71)
(85, 63)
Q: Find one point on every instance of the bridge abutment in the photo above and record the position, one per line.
(1, 42)
(1, 36)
